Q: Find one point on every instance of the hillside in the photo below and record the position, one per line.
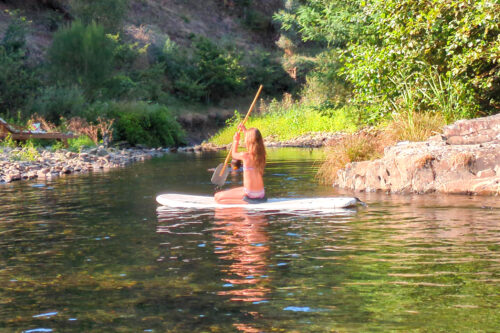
(151, 21)
(241, 31)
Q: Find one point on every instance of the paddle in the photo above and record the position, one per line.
(220, 175)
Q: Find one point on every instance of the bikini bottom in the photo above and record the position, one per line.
(254, 197)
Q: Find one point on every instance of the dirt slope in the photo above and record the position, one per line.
(151, 21)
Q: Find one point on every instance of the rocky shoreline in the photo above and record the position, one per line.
(47, 164)
(464, 159)
(308, 140)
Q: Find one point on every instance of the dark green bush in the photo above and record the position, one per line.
(14, 39)
(18, 80)
(82, 54)
(56, 102)
(108, 13)
(151, 84)
(264, 69)
(119, 86)
(148, 124)
(218, 69)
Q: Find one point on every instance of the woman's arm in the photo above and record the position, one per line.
(234, 149)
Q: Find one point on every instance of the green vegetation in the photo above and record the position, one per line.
(84, 54)
(406, 55)
(347, 64)
(18, 79)
(141, 123)
(287, 120)
(107, 13)
(94, 69)
(28, 152)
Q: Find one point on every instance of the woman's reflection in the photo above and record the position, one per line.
(241, 238)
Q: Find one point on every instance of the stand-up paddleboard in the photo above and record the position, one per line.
(174, 200)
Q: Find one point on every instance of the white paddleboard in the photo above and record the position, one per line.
(174, 200)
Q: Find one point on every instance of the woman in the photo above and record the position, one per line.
(254, 162)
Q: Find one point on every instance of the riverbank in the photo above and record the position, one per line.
(22, 164)
(463, 159)
(308, 140)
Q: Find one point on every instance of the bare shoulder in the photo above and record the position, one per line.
(245, 156)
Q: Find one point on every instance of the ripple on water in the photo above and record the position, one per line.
(95, 244)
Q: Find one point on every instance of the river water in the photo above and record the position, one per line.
(91, 253)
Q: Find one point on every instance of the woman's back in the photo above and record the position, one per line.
(252, 176)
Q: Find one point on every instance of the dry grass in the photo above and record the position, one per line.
(463, 159)
(424, 161)
(366, 145)
(44, 124)
(361, 146)
(81, 126)
(415, 127)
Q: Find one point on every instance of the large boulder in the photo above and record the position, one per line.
(464, 160)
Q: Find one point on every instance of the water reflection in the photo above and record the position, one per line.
(92, 254)
(241, 243)
(241, 239)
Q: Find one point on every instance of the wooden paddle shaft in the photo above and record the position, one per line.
(243, 122)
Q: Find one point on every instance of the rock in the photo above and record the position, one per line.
(475, 131)
(435, 165)
(486, 173)
(102, 152)
(12, 177)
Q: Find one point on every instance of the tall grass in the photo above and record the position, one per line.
(415, 127)
(451, 98)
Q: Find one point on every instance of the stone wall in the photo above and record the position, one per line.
(465, 159)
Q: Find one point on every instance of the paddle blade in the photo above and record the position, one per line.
(218, 178)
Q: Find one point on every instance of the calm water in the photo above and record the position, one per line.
(92, 254)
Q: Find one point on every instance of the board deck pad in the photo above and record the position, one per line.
(175, 200)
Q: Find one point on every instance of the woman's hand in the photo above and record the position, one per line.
(242, 127)
(236, 136)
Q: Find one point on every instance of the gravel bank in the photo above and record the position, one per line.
(47, 164)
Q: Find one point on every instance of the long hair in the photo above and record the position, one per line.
(255, 146)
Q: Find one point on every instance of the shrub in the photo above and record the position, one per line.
(415, 126)
(56, 102)
(370, 45)
(218, 70)
(18, 80)
(77, 144)
(150, 84)
(108, 13)
(14, 39)
(119, 86)
(141, 123)
(101, 128)
(82, 54)
(8, 142)
(263, 68)
(28, 152)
